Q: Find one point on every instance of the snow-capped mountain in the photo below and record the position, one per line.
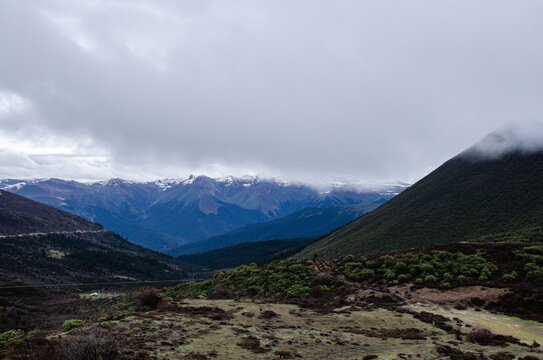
(170, 212)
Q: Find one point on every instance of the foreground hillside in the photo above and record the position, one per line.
(464, 199)
(473, 301)
(42, 244)
(165, 214)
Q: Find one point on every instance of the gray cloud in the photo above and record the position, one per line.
(524, 138)
(310, 90)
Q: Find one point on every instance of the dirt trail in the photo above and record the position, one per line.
(53, 233)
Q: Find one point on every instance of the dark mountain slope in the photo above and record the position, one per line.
(245, 253)
(20, 215)
(462, 200)
(39, 243)
(307, 223)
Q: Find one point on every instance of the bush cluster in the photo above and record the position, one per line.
(436, 268)
(70, 324)
(531, 258)
(10, 334)
(281, 279)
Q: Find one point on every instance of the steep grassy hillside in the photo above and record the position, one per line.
(307, 223)
(462, 200)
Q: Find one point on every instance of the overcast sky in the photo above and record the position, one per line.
(311, 90)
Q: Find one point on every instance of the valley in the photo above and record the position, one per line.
(166, 214)
(270, 180)
(431, 291)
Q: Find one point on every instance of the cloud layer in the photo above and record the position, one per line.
(311, 90)
(524, 138)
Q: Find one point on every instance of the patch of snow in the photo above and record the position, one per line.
(227, 180)
(189, 181)
(165, 184)
(17, 186)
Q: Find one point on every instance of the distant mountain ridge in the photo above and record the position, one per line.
(466, 198)
(168, 213)
(304, 224)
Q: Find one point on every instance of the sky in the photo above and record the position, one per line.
(308, 90)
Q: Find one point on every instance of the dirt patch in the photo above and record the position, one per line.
(404, 334)
(268, 314)
(457, 354)
(252, 343)
(286, 354)
(439, 321)
(195, 356)
(486, 337)
(525, 302)
(461, 296)
(210, 312)
(502, 356)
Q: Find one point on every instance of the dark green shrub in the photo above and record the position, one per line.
(534, 250)
(510, 277)
(389, 274)
(71, 324)
(10, 334)
(430, 279)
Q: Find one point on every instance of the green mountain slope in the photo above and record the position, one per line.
(464, 199)
(307, 223)
(41, 244)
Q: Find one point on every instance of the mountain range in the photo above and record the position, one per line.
(165, 214)
(469, 197)
(304, 224)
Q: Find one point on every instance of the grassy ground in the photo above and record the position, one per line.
(301, 309)
(250, 329)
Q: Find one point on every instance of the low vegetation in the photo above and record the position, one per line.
(441, 268)
(10, 334)
(71, 324)
(284, 279)
(351, 307)
(288, 279)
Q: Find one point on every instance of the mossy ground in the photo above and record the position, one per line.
(249, 329)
